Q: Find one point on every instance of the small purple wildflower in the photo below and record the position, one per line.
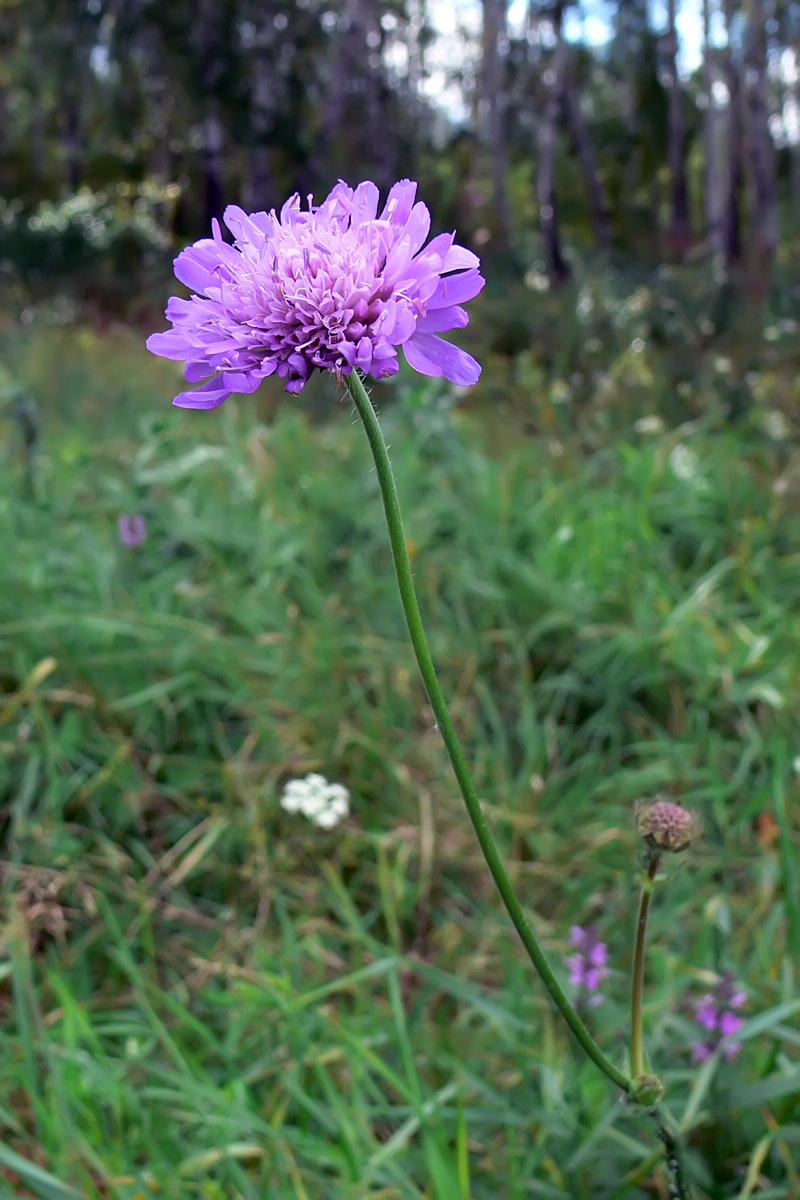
(665, 825)
(132, 529)
(334, 287)
(716, 1013)
(589, 966)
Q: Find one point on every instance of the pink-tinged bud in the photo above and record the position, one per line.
(665, 825)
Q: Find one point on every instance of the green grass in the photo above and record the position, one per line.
(203, 996)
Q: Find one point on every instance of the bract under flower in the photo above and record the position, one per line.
(332, 287)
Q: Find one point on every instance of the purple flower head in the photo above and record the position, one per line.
(588, 967)
(716, 1012)
(132, 529)
(665, 825)
(332, 287)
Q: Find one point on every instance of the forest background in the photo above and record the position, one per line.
(204, 995)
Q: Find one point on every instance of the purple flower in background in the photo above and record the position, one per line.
(332, 287)
(589, 966)
(716, 1012)
(132, 529)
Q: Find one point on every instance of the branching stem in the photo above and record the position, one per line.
(438, 703)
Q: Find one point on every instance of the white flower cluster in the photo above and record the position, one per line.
(685, 463)
(323, 803)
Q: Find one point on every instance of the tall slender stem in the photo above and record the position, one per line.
(438, 703)
(637, 985)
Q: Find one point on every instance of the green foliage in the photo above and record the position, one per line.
(619, 344)
(95, 245)
(201, 995)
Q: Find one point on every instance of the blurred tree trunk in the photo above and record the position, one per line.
(258, 184)
(795, 166)
(354, 111)
(493, 107)
(379, 146)
(209, 47)
(213, 164)
(71, 140)
(588, 161)
(71, 94)
(557, 265)
(711, 129)
(760, 149)
(333, 107)
(680, 228)
(732, 212)
(159, 164)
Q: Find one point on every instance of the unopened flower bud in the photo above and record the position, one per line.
(647, 1090)
(665, 825)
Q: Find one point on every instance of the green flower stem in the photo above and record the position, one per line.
(439, 705)
(637, 984)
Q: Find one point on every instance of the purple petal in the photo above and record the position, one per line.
(240, 381)
(195, 265)
(441, 245)
(455, 289)
(383, 367)
(431, 356)
(442, 319)
(730, 1023)
(171, 344)
(195, 372)
(181, 311)
(132, 529)
(417, 227)
(708, 1015)
(208, 395)
(291, 208)
(248, 228)
(399, 203)
(365, 203)
(347, 351)
(397, 322)
(364, 354)
(575, 965)
(459, 259)
(598, 955)
(338, 204)
(397, 262)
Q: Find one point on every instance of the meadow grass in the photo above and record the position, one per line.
(201, 995)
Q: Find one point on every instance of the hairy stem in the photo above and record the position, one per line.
(637, 985)
(673, 1154)
(438, 703)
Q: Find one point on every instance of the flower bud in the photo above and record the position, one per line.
(647, 1090)
(665, 825)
